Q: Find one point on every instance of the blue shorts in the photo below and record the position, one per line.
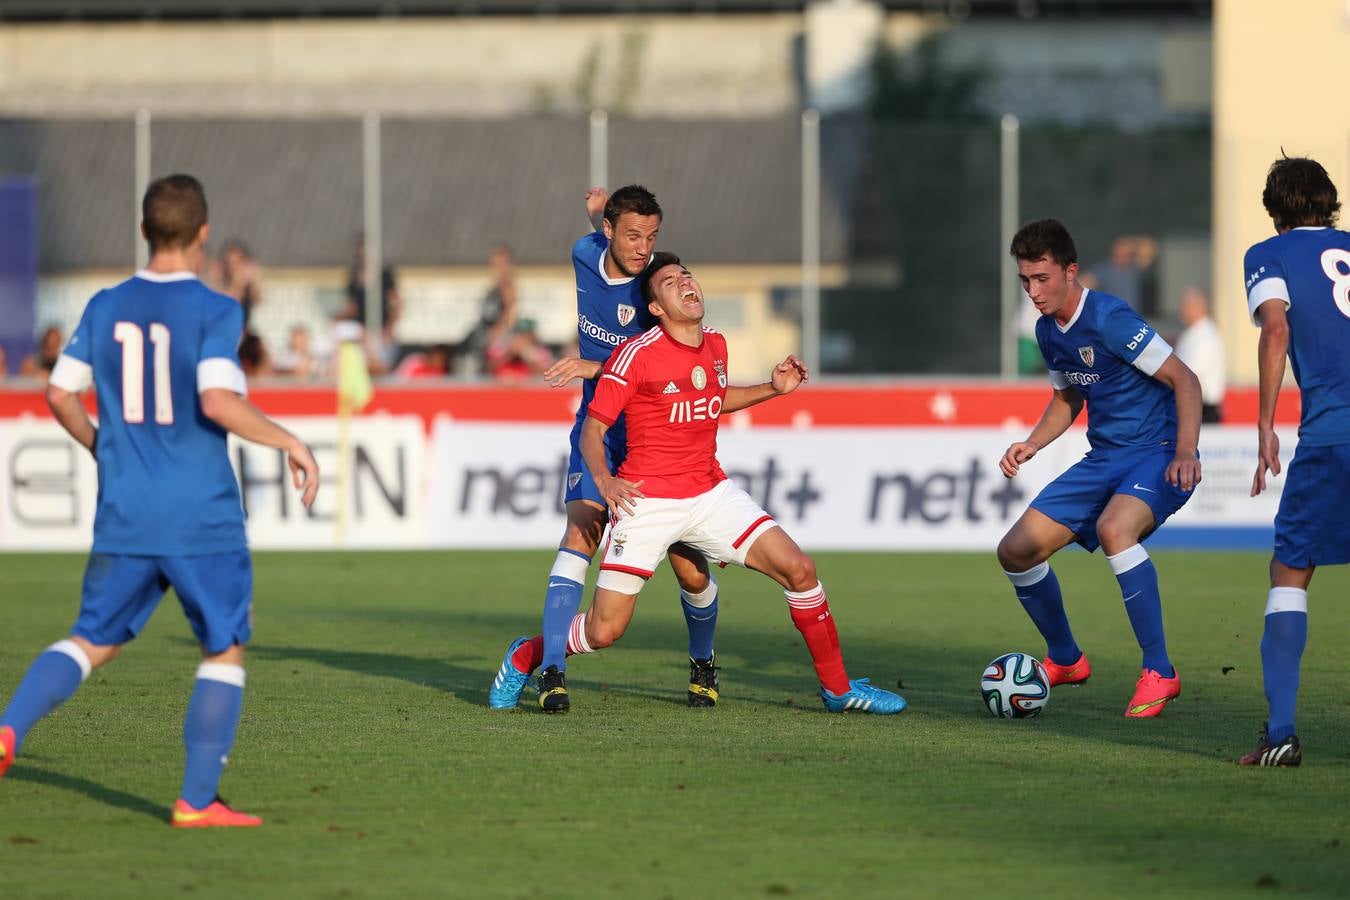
(121, 592)
(1312, 527)
(580, 484)
(1076, 498)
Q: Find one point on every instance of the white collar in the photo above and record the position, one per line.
(600, 266)
(1082, 302)
(163, 277)
(1311, 228)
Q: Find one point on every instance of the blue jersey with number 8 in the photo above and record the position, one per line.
(1308, 269)
(148, 346)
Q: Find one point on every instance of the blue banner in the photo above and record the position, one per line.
(18, 269)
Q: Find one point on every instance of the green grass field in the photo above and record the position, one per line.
(367, 745)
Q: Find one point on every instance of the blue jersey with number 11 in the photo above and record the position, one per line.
(1309, 270)
(148, 346)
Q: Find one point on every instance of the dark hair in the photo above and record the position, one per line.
(632, 198)
(660, 260)
(173, 211)
(1299, 192)
(252, 353)
(1044, 237)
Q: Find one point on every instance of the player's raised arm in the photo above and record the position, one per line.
(561, 373)
(596, 198)
(1184, 470)
(1059, 414)
(1272, 351)
(785, 378)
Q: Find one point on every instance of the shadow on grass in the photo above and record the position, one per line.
(92, 790)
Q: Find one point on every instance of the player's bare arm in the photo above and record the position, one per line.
(1184, 469)
(69, 411)
(1059, 414)
(618, 493)
(785, 378)
(1272, 351)
(562, 372)
(596, 198)
(238, 416)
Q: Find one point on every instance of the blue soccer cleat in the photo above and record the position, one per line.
(510, 681)
(862, 697)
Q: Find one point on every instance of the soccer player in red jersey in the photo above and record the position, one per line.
(671, 385)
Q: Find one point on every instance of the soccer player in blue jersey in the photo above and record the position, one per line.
(1298, 291)
(1144, 429)
(160, 349)
(607, 263)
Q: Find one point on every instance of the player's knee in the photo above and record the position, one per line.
(602, 634)
(693, 581)
(1115, 535)
(800, 573)
(1012, 554)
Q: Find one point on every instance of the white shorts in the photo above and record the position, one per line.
(721, 523)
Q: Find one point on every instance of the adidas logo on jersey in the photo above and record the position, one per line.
(671, 388)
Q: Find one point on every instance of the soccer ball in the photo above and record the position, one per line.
(1015, 686)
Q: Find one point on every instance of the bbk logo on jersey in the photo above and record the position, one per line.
(1087, 356)
(626, 313)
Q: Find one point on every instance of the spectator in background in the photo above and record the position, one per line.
(381, 349)
(1127, 273)
(433, 362)
(240, 276)
(1201, 348)
(518, 356)
(39, 364)
(297, 360)
(253, 357)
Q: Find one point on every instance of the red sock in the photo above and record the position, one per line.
(530, 654)
(811, 614)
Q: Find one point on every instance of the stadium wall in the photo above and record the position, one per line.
(848, 466)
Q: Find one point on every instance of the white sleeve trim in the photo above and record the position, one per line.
(219, 372)
(1058, 381)
(1263, 290)
(1154, 354)
(71, 374)
(613, 377)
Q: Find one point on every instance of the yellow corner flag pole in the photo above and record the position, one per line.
(353, 393)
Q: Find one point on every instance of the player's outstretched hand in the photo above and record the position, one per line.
(596, 198)
(1014, 456)
(1268, 458)
(304, 472)
(1184, 472)
(564, 370)
(788, 375)
(620, 494)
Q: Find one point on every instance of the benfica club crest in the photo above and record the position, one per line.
(1086, 354)
(626, 313)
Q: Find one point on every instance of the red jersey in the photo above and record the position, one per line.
(671, 396)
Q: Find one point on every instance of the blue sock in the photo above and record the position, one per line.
(566, 581)
(1281, 650)
(700, 614)
(208, 730)
(51, 680)
(1038, 589)
(1138, 580)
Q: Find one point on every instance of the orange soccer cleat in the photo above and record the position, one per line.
(1075, 674)
(216, 815)
(6, 749)
(1152, 693)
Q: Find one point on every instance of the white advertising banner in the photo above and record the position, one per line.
(49, 487)
(501, 485)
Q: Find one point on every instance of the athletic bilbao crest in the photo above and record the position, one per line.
(573, 479)
(1087, 355)
(626, 313)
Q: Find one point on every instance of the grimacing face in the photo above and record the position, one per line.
(677, 297)
(1047, 283)
(631, 241)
